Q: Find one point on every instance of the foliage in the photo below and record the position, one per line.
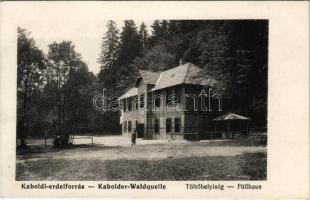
(72, 80)
(144, 36)
(108, 57)
(54, 91)
(157, 58)
(30, 69)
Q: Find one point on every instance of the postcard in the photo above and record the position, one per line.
(155, 99)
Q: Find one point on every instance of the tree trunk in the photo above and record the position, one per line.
(24, 123)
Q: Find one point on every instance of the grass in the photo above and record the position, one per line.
(250, 166)
(39, 149)
(202, 168)
(205, 160)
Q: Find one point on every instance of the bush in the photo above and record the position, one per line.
(57, 142)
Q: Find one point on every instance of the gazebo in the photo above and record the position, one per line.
(230, 118)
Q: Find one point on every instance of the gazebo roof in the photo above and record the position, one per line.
(231, 116)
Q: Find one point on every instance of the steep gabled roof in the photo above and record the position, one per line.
(183, 74)
(187, 73)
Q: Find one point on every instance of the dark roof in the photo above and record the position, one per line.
(183, 74)
(231, 116)
(186, 73)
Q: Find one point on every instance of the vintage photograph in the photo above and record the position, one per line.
(142, 100)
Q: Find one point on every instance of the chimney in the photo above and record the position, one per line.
(181, 61)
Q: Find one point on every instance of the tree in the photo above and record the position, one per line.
(156, 59)
(156, 32)
(109, 56)
(116, 76)
(160, 30)
(250, 41)
(215, 58)
(30, 69)
(62, 61)
(109, 46)
(130, 44)
(78, 93)
(144, 36)
(130, 48)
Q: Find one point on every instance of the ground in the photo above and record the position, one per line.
(112, 158)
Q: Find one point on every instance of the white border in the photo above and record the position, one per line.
(288, 90)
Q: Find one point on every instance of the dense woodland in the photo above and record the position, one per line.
(55, 90)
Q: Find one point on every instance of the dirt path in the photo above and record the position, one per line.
(112, 148)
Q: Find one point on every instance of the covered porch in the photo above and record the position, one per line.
(231, 124)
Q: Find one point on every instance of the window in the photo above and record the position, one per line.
(177, 122)
(168, 125)
(129, 126)
(157, 100)
(125, 126)
(129, 104)
(156, 126)
(142, 101)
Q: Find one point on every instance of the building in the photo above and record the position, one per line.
(168, 104)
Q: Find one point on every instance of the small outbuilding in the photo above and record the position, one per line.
(235, 123)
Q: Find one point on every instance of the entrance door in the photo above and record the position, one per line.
(140, 130)
(168, 128)
(157, 129)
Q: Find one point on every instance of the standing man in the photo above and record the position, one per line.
(133, 137)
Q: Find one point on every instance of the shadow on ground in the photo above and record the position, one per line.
(250, 166)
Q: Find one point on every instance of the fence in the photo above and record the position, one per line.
(49, 142)
(188, 133)
(203, 133)
(260, 132)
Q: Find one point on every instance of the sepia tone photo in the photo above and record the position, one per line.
(142, 100)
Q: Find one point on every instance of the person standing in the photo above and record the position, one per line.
(133, 138)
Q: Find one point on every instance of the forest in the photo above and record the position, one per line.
(55, 90)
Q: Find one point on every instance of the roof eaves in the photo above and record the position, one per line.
(126, 95)
(160, 75)
(188, 66)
